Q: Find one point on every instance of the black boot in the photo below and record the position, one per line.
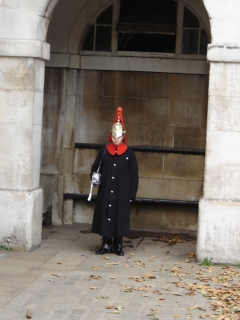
(117, 246)
(106, 246)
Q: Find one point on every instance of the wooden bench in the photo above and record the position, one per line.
(83, 197)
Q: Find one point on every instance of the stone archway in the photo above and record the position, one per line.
(65, 63)
(22, 51)
(220, 194)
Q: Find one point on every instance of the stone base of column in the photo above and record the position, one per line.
(219, 231)
(21, 219)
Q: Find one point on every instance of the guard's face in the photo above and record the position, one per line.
(117, 141)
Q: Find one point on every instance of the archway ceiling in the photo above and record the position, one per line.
(71, 17)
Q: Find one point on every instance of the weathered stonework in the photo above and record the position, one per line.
(163, 176)
(218, 231)
(21, 213)
(171, 94)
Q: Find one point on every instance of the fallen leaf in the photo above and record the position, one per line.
(154, 311)
(172, 240)
(143, 289)
(93, 288)
(96, 267)
(201, 309)
(137, 278)
(166, 288)
(106, 258)
(195, 307)
(140, 263)
(150, 276)
(110, 307)
(94, 277)
(54, 274)
(177, 294)
(102, 297)
(120, 308)
(127, 289)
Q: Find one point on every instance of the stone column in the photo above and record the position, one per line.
(219, 210)
(21, 101)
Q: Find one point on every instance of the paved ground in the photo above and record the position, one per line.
(64, 279)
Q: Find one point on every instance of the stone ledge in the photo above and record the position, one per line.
(120, 63)
(223, 53)
(24, 48)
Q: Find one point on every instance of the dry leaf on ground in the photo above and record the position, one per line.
(96, 267)
(54, 274)
(94, 277)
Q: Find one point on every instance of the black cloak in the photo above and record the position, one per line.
(119, 184)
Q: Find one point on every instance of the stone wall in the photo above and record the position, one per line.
(164, 110)
(58, 136)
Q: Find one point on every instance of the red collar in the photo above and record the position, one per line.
(112, 149)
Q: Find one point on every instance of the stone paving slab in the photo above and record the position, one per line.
(64, 279)
(85, 295)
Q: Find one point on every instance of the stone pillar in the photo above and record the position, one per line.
(219, 210)
(68, 143)
(58, 142)
(21, 101)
